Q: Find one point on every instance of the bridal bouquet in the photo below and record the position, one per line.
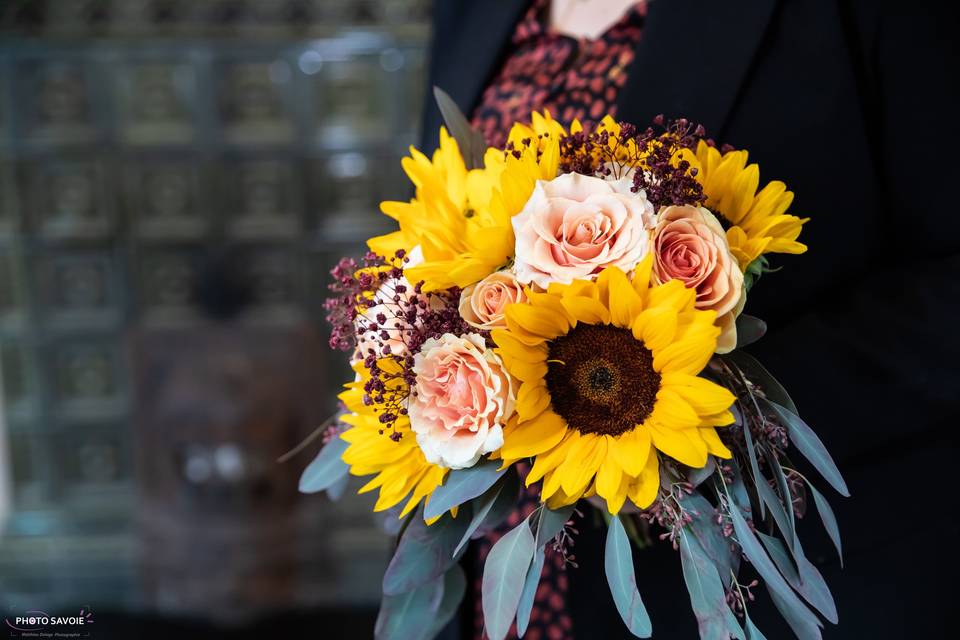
(567, 312)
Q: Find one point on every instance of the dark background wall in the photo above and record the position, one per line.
(176, 177)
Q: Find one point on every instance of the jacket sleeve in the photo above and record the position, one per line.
(875, 368)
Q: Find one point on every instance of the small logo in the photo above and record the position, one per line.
(34, 623)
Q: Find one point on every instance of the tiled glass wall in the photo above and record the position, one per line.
(176, 177)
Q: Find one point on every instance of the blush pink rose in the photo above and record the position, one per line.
(461, 400)
(482, 304)
(690, 245)
(574, 226)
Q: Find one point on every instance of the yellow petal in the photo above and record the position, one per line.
(534, 436)
(631, 450)
(676, 444)
(714, 445)
(704, 396)
(643, 491)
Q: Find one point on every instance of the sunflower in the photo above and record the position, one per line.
(398, 462)
(461, 218)
(756, 222)
(608, 373)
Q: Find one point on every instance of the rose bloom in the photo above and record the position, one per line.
(690, 245)
(482, 304)
(461, 399)
(574, 226)
(367, 339)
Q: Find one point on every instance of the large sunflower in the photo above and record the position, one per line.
(398, 463)
(609, 378)
(756, 222)
(461, 218)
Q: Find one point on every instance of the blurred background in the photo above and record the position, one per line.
(176, 179)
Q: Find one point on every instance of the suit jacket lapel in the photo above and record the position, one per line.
(692, 59)
(466, 53)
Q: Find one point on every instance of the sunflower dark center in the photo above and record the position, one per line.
(601, 379)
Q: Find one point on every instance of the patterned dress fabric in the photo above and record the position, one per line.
(573, 78)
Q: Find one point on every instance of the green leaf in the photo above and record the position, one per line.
(784, 487)
(551, 522)
(409, 616)
(776, 510)
(529, 592)
(707, 597)
(754, 466)
(828, 518)
(462, 485)
(755, 553)
(696, 477)
(471, 142)
(454, 586)
(758, 374)
(504, 575)
(425, 552)
(710, 536)
(326, 469)
(804, 578)
(752, 632)
(492, 507)
(749, 330)
(618, 564)
(813, 449)
(805, 625)
(336, 490)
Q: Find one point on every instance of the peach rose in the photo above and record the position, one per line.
(461, 400)
(482, 304)
(689, 244)
(575, 225)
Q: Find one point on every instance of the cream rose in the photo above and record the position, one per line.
(574, 226)
(482, 304)
(462, 398)
(689, 244)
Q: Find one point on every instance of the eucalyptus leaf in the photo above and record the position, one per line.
(777, 510)
(484, 513)
(461, 486)
(805, 578)
(828, 518)
(758, 374)
(752, 632)
(337, 489)
(454, 587)
(707, 596)
(784, 487)
(471, 142)
(529, 591)
(550, 522)
(805, 625)
(710, 536)
(409, 615)
(696, 477)
(425, 552)
(749, 330)
(754, 465)
(755, 553)
(504, 505)
(618, 565)
(740, 496)
(504, 575)
(326, 469)
(810, 445)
